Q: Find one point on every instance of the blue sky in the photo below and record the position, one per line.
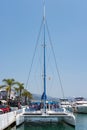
(67, 21)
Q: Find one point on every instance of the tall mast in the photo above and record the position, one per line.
(44, 75)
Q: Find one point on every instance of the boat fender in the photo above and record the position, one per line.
(64, 109)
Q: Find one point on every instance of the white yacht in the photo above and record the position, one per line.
(65, 103)
(80, 105)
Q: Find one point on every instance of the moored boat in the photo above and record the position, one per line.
(52, 114)
(65, 103)
(80, 105)
(46, 113)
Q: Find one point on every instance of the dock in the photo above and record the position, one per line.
(10, 118)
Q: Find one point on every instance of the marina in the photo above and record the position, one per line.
(19, 110)
(44, 112)
(29, 118)
(20, 116)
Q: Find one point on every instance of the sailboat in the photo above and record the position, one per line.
(43, 113)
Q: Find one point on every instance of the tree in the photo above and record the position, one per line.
(16, 89)
(20, 87)
(9, 83)
(27, 95)
(8, 91)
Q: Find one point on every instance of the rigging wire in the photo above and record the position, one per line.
(34, 54)
(45, 22)
(55, 59)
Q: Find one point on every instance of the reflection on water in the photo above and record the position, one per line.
(11, 128)
(81, 121)
(59, 126)
(22, 127)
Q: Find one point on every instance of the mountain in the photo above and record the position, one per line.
(38, 97)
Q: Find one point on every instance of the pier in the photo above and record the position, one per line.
(9, 118)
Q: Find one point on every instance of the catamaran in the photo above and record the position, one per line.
(45, 113)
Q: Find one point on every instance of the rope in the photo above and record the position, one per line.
(55, 60)
(34, 54)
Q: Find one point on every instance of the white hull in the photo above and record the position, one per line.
(80, 105)
(50, 116)
(80, 108)
(67, 107)
(64, 102)
(19, 117)
(42, 119)
(70, 120)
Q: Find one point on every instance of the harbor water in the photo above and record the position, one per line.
(81, 124)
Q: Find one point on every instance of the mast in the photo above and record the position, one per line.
(44, 64)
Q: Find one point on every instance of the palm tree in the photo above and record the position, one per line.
(9, 83)
(16, 89)
(27, 95)
(20, 87)
(8, 91)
